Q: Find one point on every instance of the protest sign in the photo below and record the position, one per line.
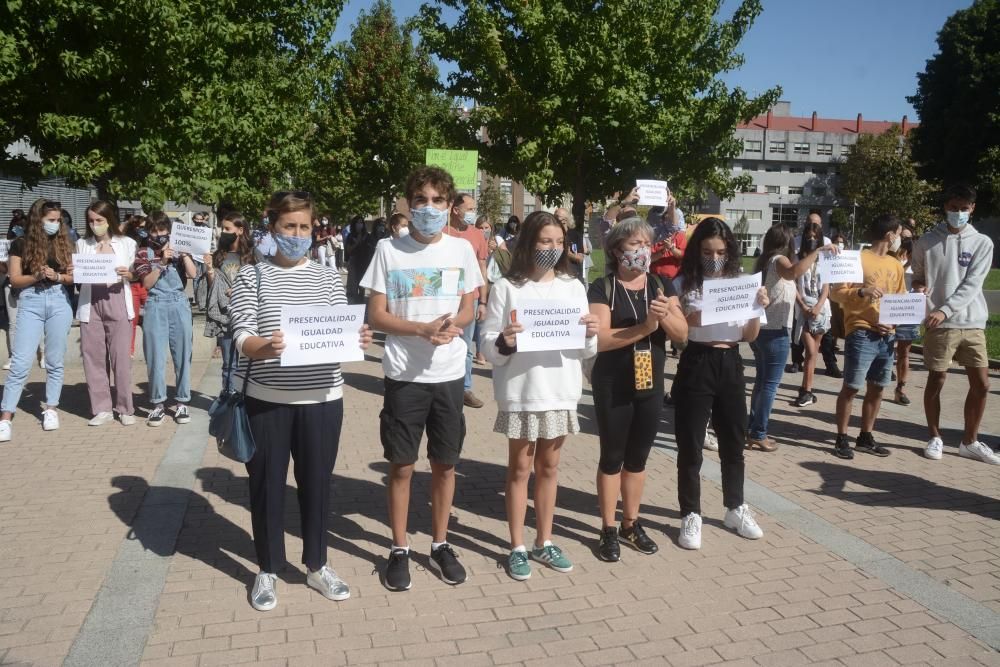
(551, 325)
(652, 193)
(95, 269)
(730, 299)
(195, 241)
(4, 249)
(321, 334)
(462, 165)
(844, 267)
(902, 309)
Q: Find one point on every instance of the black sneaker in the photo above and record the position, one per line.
(805, 398)
(609, 550)
(842, 448)
(156, 417)
(834, 372)
(793, 368)
(638, 538)
(866, 443)
(397, 570)
(181, 414)
(444, 560)
(668, 400)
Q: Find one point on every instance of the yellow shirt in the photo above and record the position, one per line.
(882, 271)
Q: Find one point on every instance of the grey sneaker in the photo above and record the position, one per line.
(518, 565)
(326, 581)
(263, 596)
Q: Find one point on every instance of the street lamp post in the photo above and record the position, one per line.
(854, 219)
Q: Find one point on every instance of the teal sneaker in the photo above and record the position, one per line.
(518, 565)
(552, 556)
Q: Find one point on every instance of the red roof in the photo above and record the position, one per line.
(817, 124)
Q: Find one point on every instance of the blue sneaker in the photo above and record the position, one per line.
(552, 556)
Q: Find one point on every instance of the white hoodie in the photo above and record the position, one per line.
(534, 381)
(954, 268)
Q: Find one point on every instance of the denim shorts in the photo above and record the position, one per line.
(868, 357)
(907, 332)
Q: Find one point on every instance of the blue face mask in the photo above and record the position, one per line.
(428, 221)
(469, 218)
(18, 231)
(957, 219)
(52, 228)
(293, 248)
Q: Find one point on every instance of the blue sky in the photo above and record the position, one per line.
(836, 58)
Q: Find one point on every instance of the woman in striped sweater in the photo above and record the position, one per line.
(294, 411)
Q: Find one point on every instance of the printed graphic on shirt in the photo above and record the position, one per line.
(965, 259)
(424, 282)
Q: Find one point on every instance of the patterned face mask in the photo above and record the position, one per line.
(637, 259)
(546, 258)
(713, 265)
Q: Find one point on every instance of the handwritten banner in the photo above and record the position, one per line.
(196, 241)
(4, 250)
(844, 267)
(730, 299)
(95, 269)
(551, 325)
(652, 193)
(321, 334)
(902, 309)
(462, 165)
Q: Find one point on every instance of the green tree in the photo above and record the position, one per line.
(384, 108)
(742, 228)
(162, 99)
(583, 101)
(840, 220)
(958, 101)
(490, 202)
(881, 176)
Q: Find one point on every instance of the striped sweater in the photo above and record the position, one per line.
(307, 284)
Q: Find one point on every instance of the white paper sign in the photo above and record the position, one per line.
(95, 269)
(193, 240)
(730, 299)
(902, 309)
(652, 193)
(321, 334)
(4, 250)
(551, 325)
(841, 268)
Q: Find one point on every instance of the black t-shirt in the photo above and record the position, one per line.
(574, 237)
(630, 308)
(17, 250)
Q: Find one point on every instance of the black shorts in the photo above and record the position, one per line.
(409, 406)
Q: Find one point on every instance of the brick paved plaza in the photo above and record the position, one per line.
(132, 545)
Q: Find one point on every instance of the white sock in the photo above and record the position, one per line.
(436, 545)
(394, 548)
(520, 548)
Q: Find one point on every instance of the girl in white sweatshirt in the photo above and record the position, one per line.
(536, 392)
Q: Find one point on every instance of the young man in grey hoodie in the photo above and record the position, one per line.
(950, 264)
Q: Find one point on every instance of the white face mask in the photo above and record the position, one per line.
(469, 218)
(957, 219)
(404, 231)
(895, 243)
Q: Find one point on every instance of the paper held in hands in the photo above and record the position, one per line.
(551, 325)
(196, 241)
(95, 269)
(730, 299)
(4, 249)
(902, 309)
(841, 268)
(321, 334)
(652, 193)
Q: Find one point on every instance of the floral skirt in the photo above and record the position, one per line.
(534, 425)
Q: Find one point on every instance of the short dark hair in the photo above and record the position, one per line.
(433, 176)
(960, 191)
(460, 199)
(882, 225)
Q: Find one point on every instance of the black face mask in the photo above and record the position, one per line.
(808, 245)
(157, 242)
(227, 240)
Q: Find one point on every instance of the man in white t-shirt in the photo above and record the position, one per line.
(423, 292)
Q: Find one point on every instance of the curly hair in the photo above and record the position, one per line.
(691, 268)
(38, 244)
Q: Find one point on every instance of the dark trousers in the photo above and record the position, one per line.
(310, 434)
(826, 345)
(709, 382)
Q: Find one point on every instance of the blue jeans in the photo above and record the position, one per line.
(166, 325)
(868, 357)
(468, 335)
(770, 351)
(226, 344)
(40, 311)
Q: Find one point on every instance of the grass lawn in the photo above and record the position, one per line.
(993, 336)
(992, 280)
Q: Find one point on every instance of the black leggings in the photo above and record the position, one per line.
(627, 422)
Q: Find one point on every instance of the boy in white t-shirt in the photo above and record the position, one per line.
(423, 288)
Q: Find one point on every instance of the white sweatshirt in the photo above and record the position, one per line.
(954, 268)
(534, 381)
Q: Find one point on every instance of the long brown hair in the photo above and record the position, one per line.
(37, 243)
(522, 263)
(244, 246)
(109, 212)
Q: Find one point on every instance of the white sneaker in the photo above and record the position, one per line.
(5, 431)
(711, 441)
(935, 448)
(690, 537)
(50, 420)
(263, 597)
(326, 581)
(741, 520)
(979, 452)
(127, 420)
(6, 366)
(101, 418)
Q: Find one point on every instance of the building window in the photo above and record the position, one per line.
(800, 149)
(777, 147)
(772, 167)
(752, 145)
(820, 171)
(528, 208)
(824, 149)
(845, 150)
(773, 189)
(733, 215)
(788, 215)
(819, 190)
(796, 170)
(754, 215)
(795, 189)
